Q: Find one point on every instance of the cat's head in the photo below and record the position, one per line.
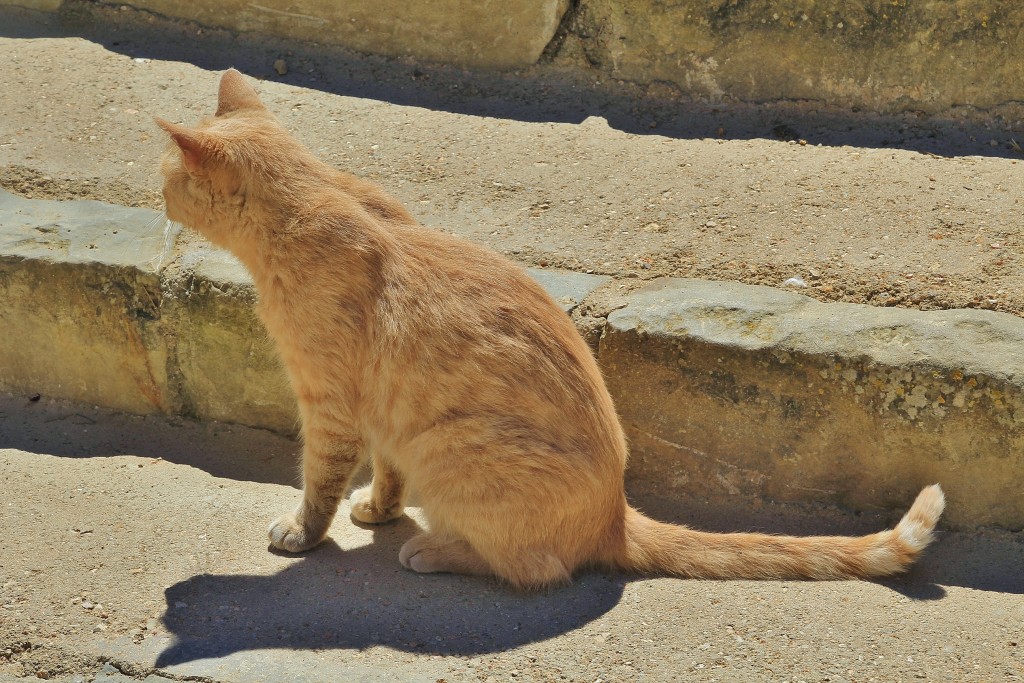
(214, 173)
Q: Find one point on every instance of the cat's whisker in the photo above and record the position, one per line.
(151, 227)
(167, 246)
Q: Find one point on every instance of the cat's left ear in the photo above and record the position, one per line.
(235, 94)
(195, 147)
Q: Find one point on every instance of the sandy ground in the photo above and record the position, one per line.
(548, 165)
(140, 543)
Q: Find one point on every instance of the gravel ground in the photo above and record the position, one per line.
(548, 165)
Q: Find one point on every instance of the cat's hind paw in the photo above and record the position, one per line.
(427, 553)
(423, 553)
(287, 534)
(364, 510)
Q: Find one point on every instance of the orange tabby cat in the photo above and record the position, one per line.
(455, 374)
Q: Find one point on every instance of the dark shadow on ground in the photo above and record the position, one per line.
(334, 598)
(43, 425)
(544, 93)
(982, 561)
(359, 598)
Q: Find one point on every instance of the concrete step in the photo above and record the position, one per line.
(906, 59)
(725, 389)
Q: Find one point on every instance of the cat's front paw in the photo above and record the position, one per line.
(364, 510)
(286, 533)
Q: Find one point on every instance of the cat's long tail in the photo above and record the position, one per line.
(653, 547)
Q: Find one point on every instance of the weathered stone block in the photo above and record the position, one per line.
(725, 389)
(567, 288)
(484, 33)
(81, 302)
(896, 55)
(729, 389)
(225, 365)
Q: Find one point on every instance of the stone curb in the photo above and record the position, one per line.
(905, 57)
(487, 34)
(748, 390)
(725, 389)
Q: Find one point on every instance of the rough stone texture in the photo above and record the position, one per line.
(226, 366)
(482, 33)
(742, 390)
(568, 289)
(724, 388)
(96, 307)
(80, 295)
(891, 56)
(895, 55)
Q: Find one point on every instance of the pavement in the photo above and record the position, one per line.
(135, 549)
(552, 167)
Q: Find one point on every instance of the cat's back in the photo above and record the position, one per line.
(467, 311)
(470, 285)
(436, 321)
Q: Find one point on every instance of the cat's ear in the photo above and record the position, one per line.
(235, 94)
(195, 147)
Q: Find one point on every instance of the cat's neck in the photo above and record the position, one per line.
(329, 242)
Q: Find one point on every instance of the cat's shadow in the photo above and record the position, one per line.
(332, 598)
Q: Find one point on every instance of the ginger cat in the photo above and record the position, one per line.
(455, 374)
